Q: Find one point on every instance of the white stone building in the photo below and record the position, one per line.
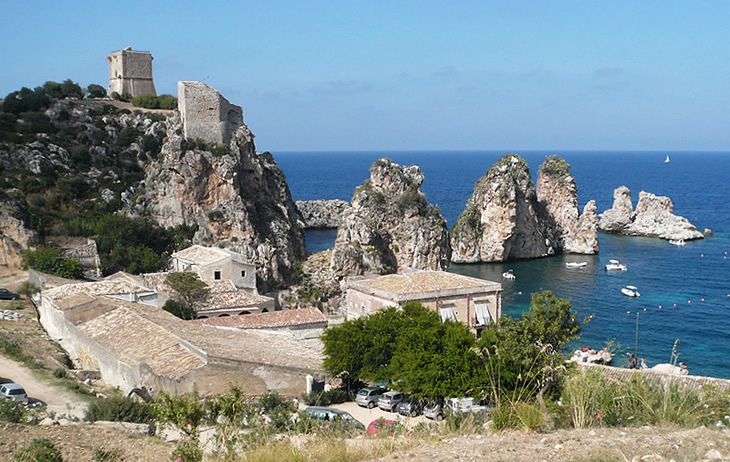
(130, 72)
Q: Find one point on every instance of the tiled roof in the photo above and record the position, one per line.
(222, 285)
(422, 284)
(103, 287)
(270, 320)
(202, 256)
(132, 337)
(156, 280)
(233, 299)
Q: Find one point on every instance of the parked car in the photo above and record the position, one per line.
(389, 401)
(13, 391)
(381, 425)
(5, 294)
(330, 414)
(410, 406)
(368, 397)
(434, 411)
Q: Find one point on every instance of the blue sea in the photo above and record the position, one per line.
(685, 291)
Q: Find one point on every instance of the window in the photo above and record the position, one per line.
(483, 316)
(217, 275)
(362, 309)
(447, 313)
(243, 273)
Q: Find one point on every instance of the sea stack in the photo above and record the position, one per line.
(654, 217)
(557, 194)
(390, 227)
(500, 221)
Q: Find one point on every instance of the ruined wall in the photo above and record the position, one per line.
(131, 72)
(206, 114)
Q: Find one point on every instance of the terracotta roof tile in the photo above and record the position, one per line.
(270, 320)
(103, 287)
(422, 284)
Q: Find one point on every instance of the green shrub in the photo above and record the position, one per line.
(96, 91)
(187, 450)
(167, 102)
(39, 450)
(102, 455)
(215, 216)
(36, 122)
(26, 100)
(150, 101)
(127, 136)
(11, 412)
(126, 97)
(325, 398)
(119, 409)
(49, 260)
(60, 373)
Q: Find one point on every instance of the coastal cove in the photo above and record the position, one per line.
(666, 275)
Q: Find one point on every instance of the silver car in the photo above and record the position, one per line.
(13, 391)
(368, 397)
(389, 401)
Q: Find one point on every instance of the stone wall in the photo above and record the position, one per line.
(206, 114)
(131, 72)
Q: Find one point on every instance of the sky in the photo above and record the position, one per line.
(411, 75)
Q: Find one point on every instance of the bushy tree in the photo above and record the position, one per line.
(96, 91)
(47, 259)
(189, 290)
(119, 409)
(522, 358)
(26, 100)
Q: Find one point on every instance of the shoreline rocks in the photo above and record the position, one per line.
(654, 217)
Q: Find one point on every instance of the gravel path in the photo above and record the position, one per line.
(57, 398)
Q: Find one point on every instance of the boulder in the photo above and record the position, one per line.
(14, 235)
(500, 221)
(322, 213)
(389, 226)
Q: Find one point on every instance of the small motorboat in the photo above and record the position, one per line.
(677, 242)
(615, 265)
(631, 291)
(509, 275)
(576, 264)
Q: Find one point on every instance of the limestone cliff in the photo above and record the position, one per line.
(500, 221)
(390, 227)
(557, 193)
(14, 235)
(238, 198)
(653, 217)
(322, 213)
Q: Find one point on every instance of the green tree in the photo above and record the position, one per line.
(96, 91)
(189, 290)
(186, 413)
(522, 358)
(47, 259)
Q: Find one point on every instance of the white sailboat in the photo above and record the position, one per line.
(666, 161)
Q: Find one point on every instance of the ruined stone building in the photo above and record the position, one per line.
(131, 72)
(206, 114)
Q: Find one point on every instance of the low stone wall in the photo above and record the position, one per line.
(694, 382)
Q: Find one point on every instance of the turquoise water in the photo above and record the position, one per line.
(666, 275)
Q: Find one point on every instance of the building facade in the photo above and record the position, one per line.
(474, 302)
(130, 72)
(215, 264)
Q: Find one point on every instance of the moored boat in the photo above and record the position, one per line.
(631, 291)
(509, 275)
(677, 242)
(576, 264)
(615, 265)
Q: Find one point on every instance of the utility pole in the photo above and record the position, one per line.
(636, 350)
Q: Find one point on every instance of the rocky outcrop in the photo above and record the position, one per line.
(557, 194)
(654, 217)
(237, 198)
(500, 221)
(322, 213)
(390, 227)
(14, 235)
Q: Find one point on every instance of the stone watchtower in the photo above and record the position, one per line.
(206, 114)
(131, 72)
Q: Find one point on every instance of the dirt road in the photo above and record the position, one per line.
(58, 399)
